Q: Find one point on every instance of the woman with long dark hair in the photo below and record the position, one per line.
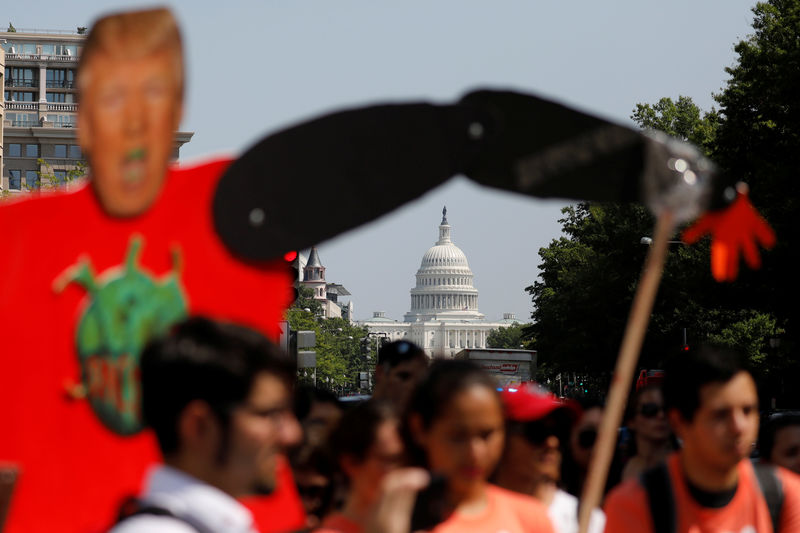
(366, 445)
(455, 428)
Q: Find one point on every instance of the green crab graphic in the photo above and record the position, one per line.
(127, 308)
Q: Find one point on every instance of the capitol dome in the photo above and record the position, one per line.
(444, 282)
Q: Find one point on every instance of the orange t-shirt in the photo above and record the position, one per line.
(506, 512)
(627, 508)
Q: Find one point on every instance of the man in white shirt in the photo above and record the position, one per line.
(218, 399)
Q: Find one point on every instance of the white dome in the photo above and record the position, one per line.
(444, 283)
(444, 256)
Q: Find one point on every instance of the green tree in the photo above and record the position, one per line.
(589, 275)
(48, 178)
(343, 350)
(750, 334)
(305, 300)
(514, 337)
(681, 119)
(757, 142)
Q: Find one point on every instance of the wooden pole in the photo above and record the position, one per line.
(623, 373)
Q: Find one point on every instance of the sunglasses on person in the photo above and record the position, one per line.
(537, 431)
(651, 409)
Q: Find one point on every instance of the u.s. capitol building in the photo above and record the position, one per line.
(444, 317)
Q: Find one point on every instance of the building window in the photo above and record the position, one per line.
(61, 176)
(60, 98)
(66, 50)
(31, 150)
(31, 179)
(59, 150)
(62, 121)
(23, 120)
(22, 77)
(60, 78)
(15, 180)
(74, 151)
(19, 96)
(14, 150)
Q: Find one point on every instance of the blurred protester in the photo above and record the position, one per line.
(367, 445)
(538, 426)
(318, 411)
(652, 437)
(401, 364)
(456, 430)
(581, 444)
(313, 473)
(708, 485)
(779, 443)
(218, 398)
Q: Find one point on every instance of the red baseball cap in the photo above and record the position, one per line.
(531, 402)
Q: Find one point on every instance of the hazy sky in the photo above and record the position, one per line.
(257, 66)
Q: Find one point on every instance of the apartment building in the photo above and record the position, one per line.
(38, 108)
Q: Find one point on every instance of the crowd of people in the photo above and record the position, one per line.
(441, 448)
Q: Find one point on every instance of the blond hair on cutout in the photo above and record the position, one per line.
(133, 35)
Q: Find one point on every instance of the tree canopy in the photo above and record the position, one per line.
(513, 337)
(343, 350)
(588, 276)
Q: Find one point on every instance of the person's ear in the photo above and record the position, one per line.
(198, 427)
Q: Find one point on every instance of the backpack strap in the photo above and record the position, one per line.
(658, 486)
(772, 489)
(135, 507)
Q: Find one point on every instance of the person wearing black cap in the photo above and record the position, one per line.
(401, 365)
(538, 424)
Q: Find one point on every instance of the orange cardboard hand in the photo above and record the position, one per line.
(734, 232)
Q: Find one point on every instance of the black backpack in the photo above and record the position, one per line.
(661, 499)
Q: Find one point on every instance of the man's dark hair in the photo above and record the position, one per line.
(392, 354)
(305, 396)
(777, 421)
(355, 434)
(686, 373)
(200, 359)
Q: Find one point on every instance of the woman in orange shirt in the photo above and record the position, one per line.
(455, 428)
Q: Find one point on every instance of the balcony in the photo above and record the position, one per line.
(22, 83)
(71, 108)
(59, 84)
(41, 57)
(22, 106)
(24, 123)
(36, 124)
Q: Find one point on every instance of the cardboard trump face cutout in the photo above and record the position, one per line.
(131, 84)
